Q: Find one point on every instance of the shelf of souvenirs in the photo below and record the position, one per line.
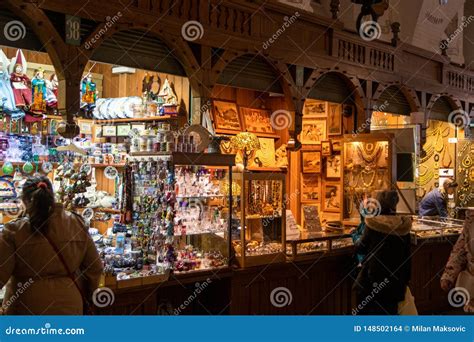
(55, 164)
(136, 120)
(229, 133)
(266, 169)
(101, 209)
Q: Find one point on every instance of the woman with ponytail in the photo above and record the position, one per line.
(48, 261)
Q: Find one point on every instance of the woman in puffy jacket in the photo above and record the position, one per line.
(37, 281)
(383, 279)
(459, 271)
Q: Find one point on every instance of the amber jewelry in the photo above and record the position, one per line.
(467, 162)
(369, 152)
(436, 157)
(429, 149)
(371, 174)
(443, 161)
(426, 177)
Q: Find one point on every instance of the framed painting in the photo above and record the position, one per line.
(326, 148)
(226, 116)
(334, 119)
(333, 166)
(315, 108)
(310, 188)
(313, 131)
(310, 217)
(336, 145)
(311, 161)
(332, 197)
(257, 120)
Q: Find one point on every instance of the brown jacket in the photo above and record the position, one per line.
(37, 280)
(460, 267)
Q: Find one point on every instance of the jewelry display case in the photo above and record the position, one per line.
(261, 237)
(309, 244)
(369, 164)
(435, 229)
(202, 210)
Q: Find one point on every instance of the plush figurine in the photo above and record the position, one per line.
(20, 82)
(38, 91)
(281, 156)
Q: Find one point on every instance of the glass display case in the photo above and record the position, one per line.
(260, 237)
(202, 215)
(435, 229)
(308, 244)
(369, 164)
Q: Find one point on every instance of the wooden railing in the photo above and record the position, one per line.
(363, 54)
(216, 14)
(460, 79)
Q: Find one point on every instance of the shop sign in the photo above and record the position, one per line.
(73, 30)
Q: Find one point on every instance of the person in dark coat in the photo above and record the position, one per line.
(383, 279)
(435, 202)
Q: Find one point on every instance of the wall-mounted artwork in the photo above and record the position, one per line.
(332, 197)
(257, 120)
(313, 131)
(334, 119)
(315, 108)
(311, 161)
(310, 187)
(226, 116)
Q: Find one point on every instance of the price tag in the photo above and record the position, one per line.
(453, 140)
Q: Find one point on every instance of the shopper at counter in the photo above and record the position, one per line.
(459, 270)
(383, 279)
(45, 255)
(435, 202)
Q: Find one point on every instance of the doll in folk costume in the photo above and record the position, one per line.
(38, 91)
(7, 100)
(20, 82)
(52, 92)
(88, 94)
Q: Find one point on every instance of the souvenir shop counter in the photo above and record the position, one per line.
(321, 284)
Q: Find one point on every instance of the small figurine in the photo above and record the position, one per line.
(38, 91)
(20, 82)
(52, 92)
(281, 156)
(6, 92)
(88, 94)
(169, 97)
(147, 83)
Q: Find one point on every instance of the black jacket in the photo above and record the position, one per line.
(386, 268)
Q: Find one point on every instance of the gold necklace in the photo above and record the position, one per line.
(371, 174)
(369, 152)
